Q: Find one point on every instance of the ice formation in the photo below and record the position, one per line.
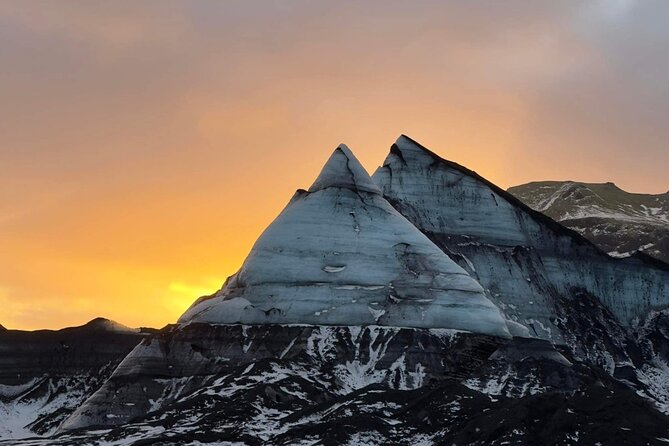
(340, 254)
(528, 264)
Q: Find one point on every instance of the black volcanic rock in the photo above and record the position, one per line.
(25, 355)
(340, 359)
(524, 393)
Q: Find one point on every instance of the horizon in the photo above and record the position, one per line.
(145, 147)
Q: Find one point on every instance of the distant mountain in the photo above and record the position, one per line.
(618, 222)
(46, 374)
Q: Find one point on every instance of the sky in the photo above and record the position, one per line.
(144, 146)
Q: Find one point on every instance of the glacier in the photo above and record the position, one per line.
(340, 254)
(529, 265)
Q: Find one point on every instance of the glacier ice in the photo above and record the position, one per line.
(340, 254)
(526, 262)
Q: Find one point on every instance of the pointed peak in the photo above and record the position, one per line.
(406, 145)
(404, 139)
(405, 151)
(343, 170)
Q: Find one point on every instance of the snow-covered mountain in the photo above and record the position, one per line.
(47, 374)
(425, 306)
(618, 222)
(340, 254)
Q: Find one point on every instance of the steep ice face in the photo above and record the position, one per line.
(527, 263)
(340, 254)
(345, 172)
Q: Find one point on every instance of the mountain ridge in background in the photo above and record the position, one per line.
(46, 374)
(617, 221)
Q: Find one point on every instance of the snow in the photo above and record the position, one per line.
(590, 211)
(548, 202)
(335, 252)
(338, 360)
(655, 376)
(366, 439)
(7, 391)
(588, 203)
(619, 255)
(21, 405)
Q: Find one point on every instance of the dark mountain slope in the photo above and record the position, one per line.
(619, 222)
(46, 374)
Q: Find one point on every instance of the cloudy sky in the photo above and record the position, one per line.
(145, 145)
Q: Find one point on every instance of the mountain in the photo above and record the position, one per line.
(101, 324)
(339, 254)
(552, 282)
(619, 222)
(424, 305)
(525, 260)
(46, 374)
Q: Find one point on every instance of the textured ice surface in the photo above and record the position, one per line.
(524, 260)
(340, 254)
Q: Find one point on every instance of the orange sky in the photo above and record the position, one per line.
(145, 146)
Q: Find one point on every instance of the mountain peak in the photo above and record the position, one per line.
(335, 258)
(406, 150)
(408, 144)
(103, 324)
(343, 170)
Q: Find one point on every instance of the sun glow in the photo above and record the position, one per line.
(143, 152)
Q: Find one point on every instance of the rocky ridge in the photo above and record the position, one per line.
(617, 221)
